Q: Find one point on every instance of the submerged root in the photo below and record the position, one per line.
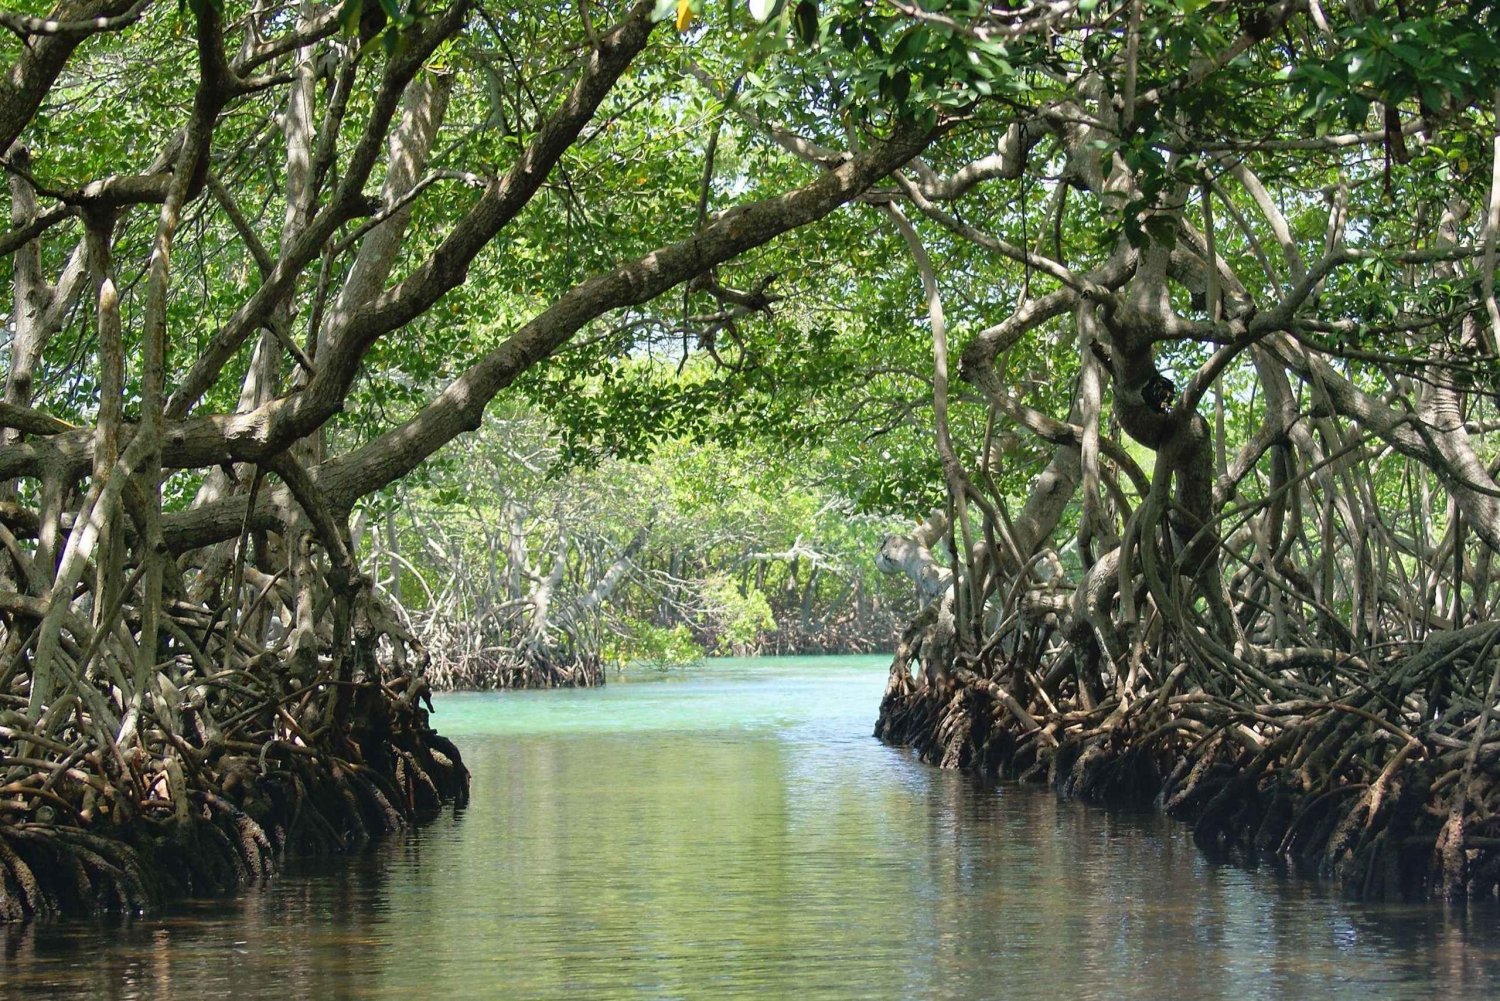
(1382, 803)
(141, 831)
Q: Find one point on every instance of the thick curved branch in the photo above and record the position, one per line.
(461, 405)
(31, 27)
(345, 203)
(27, 81)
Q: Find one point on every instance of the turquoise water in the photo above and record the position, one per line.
(734, 831)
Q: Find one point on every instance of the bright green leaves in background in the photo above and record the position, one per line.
(869, 61)
(1440, 59)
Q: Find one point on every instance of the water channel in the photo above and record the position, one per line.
(734, 831)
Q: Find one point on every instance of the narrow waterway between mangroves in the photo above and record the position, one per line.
(734, 831)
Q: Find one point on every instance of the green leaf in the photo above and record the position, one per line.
(911, 45)
(764, 10)
(807, 21)
(349, 17)
(901, 86)
(393, 40)
(1356, 112)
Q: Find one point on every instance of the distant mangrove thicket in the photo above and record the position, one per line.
(520, 568)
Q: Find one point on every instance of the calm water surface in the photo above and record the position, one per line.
(734, 832)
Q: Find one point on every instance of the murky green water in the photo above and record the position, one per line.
(735, 832)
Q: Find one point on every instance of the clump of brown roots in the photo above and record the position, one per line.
(1385, 779)
(234, 751)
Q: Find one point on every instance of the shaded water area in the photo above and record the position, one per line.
(734, 831)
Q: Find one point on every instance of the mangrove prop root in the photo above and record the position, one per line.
(503, 666)
(1328, 787)
(204, 816)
